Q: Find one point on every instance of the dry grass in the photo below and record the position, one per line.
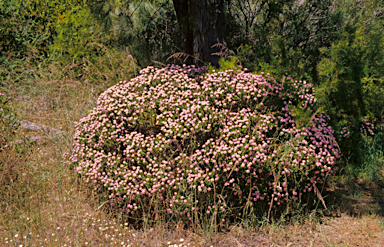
(45, 204)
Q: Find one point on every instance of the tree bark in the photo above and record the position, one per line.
(183, 17)
(209, 29)
(202, 25)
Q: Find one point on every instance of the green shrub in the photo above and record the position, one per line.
(86, 51)
(226, 63)
(30, 25)
(350, 94)
(76, 37)
(373, 91)
(27, 30)
(252, 52)
(372, 158)
(341, 93)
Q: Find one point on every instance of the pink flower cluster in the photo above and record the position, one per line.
(204, 143)
(367, 128)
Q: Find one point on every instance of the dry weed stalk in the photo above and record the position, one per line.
(224, 50)
(179, 55)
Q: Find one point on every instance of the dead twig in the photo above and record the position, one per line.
(318, 194)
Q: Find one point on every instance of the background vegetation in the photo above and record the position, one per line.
(56, 57)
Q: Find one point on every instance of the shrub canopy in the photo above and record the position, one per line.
(199, 144)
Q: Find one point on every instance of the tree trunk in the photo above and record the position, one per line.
(202, 25)
(184, 20)
(209, 29)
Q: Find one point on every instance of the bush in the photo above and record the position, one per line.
(352, 100)
(251, 51)
(28, 29)
(86, 52)
(372, 156)
(192, 146)
(29, 26)
(77, 35)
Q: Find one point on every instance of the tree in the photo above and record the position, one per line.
(202, 25)
(201, 22)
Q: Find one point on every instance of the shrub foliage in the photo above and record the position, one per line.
(199, 144)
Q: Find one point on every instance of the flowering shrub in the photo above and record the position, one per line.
(198, 144)
(367, 128)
